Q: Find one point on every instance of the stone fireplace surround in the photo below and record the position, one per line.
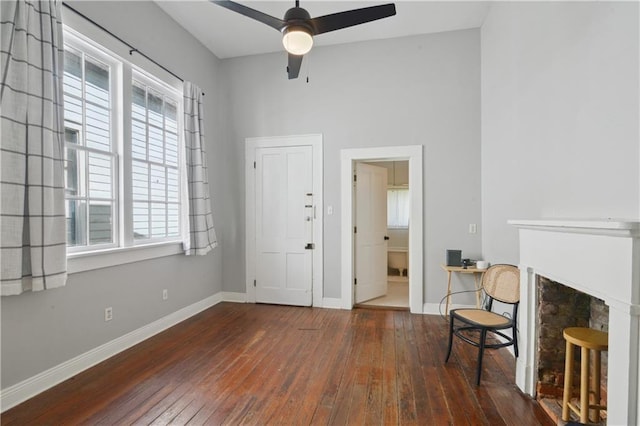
(600, 258)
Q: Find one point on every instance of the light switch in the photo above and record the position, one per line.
(473, 228)
(329, 210)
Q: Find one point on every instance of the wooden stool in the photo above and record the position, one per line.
(589, 340)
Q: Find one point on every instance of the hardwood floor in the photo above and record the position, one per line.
(262, 364)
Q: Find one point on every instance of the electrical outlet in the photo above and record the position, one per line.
(329, 210)
(108, 313)
(165, 294)
(473, 228)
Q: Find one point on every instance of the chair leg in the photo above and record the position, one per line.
(450, 338)
(483, 337)
(515, 340)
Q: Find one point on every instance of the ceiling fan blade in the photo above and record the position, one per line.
(336, 21)
(275, 23)
(293, 69)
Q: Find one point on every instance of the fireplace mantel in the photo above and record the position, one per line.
(622, 228)
(600, 258)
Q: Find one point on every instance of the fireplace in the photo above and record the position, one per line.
(600, 259)
(560, 307)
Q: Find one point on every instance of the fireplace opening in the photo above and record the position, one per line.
(560, 307)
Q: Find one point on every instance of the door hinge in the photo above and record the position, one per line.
(355, 178)
(254, 164)
(254, 283)
(355, 281)
(355, 229)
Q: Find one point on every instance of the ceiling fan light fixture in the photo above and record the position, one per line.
(298, 27)
(297, 40)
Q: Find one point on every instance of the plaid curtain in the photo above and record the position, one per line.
(32, 210)
(202, 235)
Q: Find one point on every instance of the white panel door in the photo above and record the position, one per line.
(371, 231)
(284, 225)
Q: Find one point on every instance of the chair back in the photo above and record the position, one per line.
(502, 283)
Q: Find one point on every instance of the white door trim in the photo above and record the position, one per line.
(315, 141)
(348, 157)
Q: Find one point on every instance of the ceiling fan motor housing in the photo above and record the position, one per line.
(297, 17)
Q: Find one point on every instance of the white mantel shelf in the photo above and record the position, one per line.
(599, 257)
(614, 227)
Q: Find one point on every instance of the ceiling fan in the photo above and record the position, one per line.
(298, 27)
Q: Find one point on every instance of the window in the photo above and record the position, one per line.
(398, 208)
(154, 149)
(91, 157)
(122, 162)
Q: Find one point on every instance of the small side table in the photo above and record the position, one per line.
(477, 280)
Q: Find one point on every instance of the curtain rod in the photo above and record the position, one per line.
(131, 48)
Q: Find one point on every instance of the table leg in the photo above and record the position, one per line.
(477, 284)
(446, 309)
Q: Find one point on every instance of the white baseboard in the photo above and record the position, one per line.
(20, 392)
(331, 303)
(327, 302)
(229, 296)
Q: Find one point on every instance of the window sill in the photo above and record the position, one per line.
(87, 261)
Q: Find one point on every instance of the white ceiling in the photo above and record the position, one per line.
(228, 34)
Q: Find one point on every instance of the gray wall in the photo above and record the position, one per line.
(41, 330)
(559, 116)
(420, 90)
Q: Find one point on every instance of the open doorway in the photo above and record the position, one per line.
(395, 218)
(413, 156)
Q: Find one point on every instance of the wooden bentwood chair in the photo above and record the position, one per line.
(501, 283)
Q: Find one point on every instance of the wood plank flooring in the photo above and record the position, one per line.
(262, 364)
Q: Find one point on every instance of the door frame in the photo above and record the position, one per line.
(348, 158)
(315, 142)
